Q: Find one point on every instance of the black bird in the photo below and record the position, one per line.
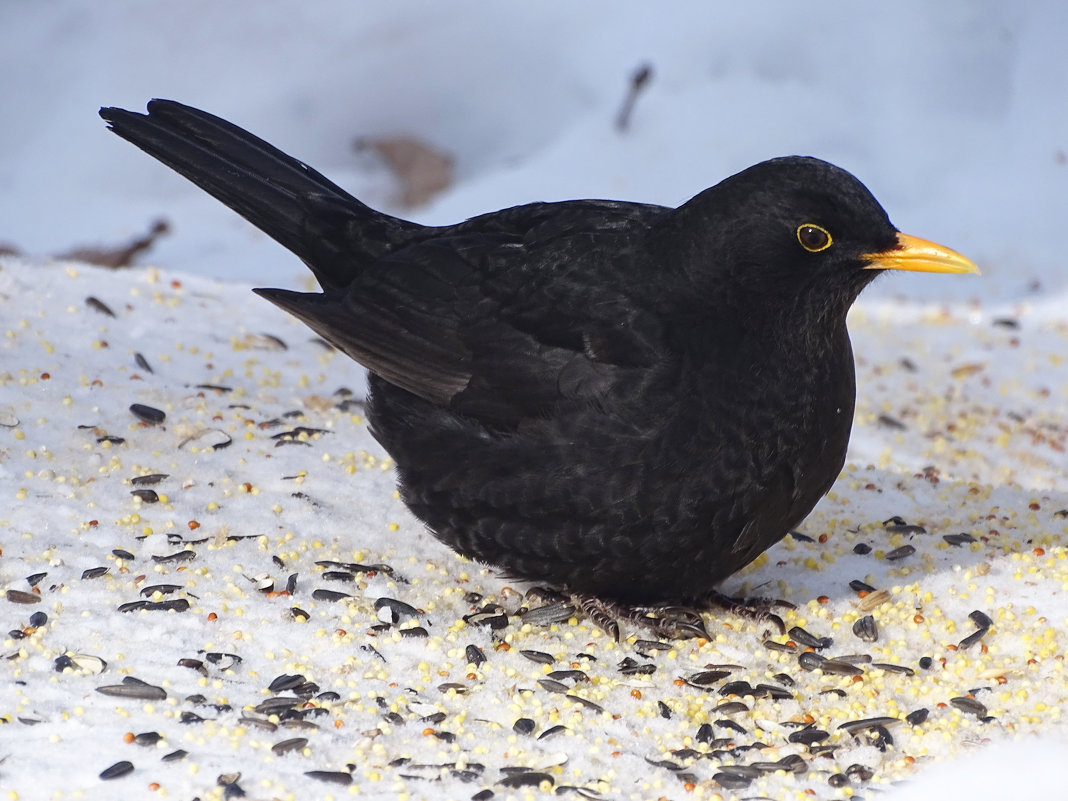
(627, 401)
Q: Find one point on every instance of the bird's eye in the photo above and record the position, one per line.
(813, 238)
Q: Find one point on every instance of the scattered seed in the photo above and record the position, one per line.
(892, 668)
(146, 495)
(874, 600)
(859, 586)
(862, 549)
(917, 717)
(147, 738)
(958, 539)
(903, 528)
(981, 619)
(149, 480)
(552, 686)
(20, 597)
(552, 731)
(810, 660)
(162, 589)
(293, 744)
(142, 362)
(94, 572)
(38, 619)
(586, 703)
(177, 556)
(393, 611)
(540, 657)
(802, 637)
(808, 736)
(123, 554)
(900, 553)
(866, 629)
(707, 677)
(569, 675)
(287, 681)
(134, 688)
(176, 605)
(117, 770)
(548, 615)
(867, 723)
(174, 756)
(148, 414)
(329, 595)
(330, 776)
(528, 778)
(474, 655)
(99, 305)
(523, 726)
(966, 704)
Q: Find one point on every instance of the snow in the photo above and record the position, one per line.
(952, 114)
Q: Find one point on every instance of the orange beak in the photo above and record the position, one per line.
(919, 255)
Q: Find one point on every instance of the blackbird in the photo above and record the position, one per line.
(627, 401)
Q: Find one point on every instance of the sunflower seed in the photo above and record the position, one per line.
(149, 480)
(147, 414)
(866, 629)
(293, 744)
(134, 689)
(117, 770)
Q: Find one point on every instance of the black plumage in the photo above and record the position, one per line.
(621, 399)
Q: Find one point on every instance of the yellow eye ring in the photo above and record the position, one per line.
(813, 238)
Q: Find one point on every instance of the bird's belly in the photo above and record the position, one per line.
(639, 514)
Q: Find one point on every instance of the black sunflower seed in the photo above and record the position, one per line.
(970, 705)
(174, 756)
(117, 770)
(20, 597)
(552, 730)
(804, 638)
(293, 744)
(528, 778)
(147, 414)
(398, 610)
(99, 305)
(330, 776)
(540, 657)
(866, 723)
(146, 495)
(94, 572)
(866, 629)
(123, 554)
(148, 481)
(862, 549)
(329, 595)
(859, 586)
(136, 690)
(958, 539)
(177, 556)
(808, 736)
(900, 553)
(287, 681)
(917, 716)
(523, 726)
(474, 655)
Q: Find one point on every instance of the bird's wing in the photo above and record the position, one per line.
(486, 325)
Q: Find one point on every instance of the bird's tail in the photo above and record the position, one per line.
(320, 222)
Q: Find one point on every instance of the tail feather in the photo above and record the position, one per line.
(297, 206)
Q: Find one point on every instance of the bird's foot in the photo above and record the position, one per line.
(759, 610)
(670, 622)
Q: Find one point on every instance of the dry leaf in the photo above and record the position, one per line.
(422, 170)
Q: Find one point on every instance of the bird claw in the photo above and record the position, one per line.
(670, 622)
(756, 609)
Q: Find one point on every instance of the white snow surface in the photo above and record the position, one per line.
(952, 113)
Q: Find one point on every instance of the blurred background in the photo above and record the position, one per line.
(955, 114)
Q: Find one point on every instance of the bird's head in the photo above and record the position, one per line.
(803, 229)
